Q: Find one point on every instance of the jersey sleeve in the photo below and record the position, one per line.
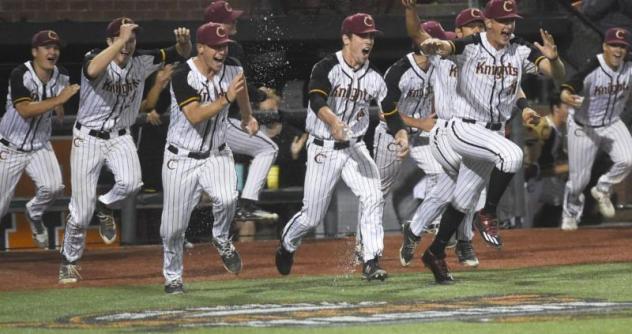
(530, 54)
(19, 92)
(458, 45)
(86, 62)
(392, 83)
(319, 82)
(576, 83)
(153, 60)
(183, 92)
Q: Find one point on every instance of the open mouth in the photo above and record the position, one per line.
(366, 50)
(52, 59)
(218, 59)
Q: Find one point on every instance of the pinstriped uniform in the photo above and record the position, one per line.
(185, 177)
(597, 125)
(416, 97)
(109, 105)
(25, 142)
(349, 93)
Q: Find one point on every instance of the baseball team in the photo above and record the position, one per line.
(445, 105)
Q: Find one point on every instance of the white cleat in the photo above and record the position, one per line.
(603, 202)
(569, 223)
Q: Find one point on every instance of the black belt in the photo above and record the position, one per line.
(8, 144)
(584, 125)
(100, 133)
(491, 126)
(195, 155)
(339, 145)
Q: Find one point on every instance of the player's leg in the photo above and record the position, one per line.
(220, 181)
(385, 157)
(583, 145)
(43, 168)
(12, 163)
(181, 192)
(263, 152)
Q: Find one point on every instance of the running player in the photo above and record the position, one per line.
(37, 88)
(112, 83)
(598, 93)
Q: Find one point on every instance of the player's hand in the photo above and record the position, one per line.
(434, 46)
(530, 116)
(153, 118)
(401, 141)
(68, 92)
(164, 76)
(577, 5)
(340, 131)
(250, 125)
(548, 48)
(236, 86)
(572, 100)
(126, 30)
(297, 145)
(409, 4)
(426, 124)
(183, 41)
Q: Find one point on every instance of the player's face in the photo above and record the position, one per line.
(499, 31)
(213, 56)
(231, 28)
(614, 54)
(46, 56)
(470, 29)
(359, 46)
(126, 52)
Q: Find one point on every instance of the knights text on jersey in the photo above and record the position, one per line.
(489, 79)
(24, 86)
(189, 85)
(349, 93)
(112, 100)
(605, 91)
(443, 81)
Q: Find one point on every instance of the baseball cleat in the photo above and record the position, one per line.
(371, 270)
(487, 226)
(438, 266)
(68, 273)
(174, 287)
(569, 223)
(251, 211)
(603, 202)
(40, 234)
(283, 260)
(465, 253)
(107, 224)
(409, 245)
(230, 256)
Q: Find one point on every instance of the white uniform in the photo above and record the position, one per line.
(349, 94)
(108, 106)
(597, 125)
(25, 143)
(196, 159)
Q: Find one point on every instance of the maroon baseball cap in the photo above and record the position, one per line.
(221, 12)
(468, 15)
(359, 23)
(212, 34)
(617, 36)
(114, 28)
(502, 9)
(46, 37)
(434, 29)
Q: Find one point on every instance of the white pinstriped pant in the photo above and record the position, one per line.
(583, 144)
(183, 180)
(42, 166)
(87, 157)
(258, 146)
(325, 166)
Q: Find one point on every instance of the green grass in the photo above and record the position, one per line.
(610, 282)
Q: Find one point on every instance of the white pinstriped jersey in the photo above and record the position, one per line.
(489, 79)
(188, 84)
(605, 91)
(112, 100)
(443, 81)
(349, 94)
(24, 85)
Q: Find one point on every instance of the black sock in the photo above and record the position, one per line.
(498, 183)
(449, 223)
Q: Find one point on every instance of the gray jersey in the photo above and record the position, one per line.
(605, 91)
(443, 81)
(349, 93)
(30, 133)
(112, 100)
(489, 79)
(189, 85)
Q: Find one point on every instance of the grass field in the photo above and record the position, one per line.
(78, 310)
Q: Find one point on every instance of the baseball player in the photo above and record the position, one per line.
(258, 146)
(112, 82)
(490, 66)
(341, 88)
(598, 94)
(196, 157)
(37, 88)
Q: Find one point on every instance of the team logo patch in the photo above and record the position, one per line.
(221, 32)
(126, 20)
(77, 141)
(172, 164)
(360, 114)
(320, 158)
(579, 132)
(475, 12)
(620, 34)
(228, 7)
(392, 147)
(52, 35)
(508, 5)
(3, 155)
(368, 21)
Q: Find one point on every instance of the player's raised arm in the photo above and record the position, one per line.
(551, 66)
(413, 29)
(118, 43)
